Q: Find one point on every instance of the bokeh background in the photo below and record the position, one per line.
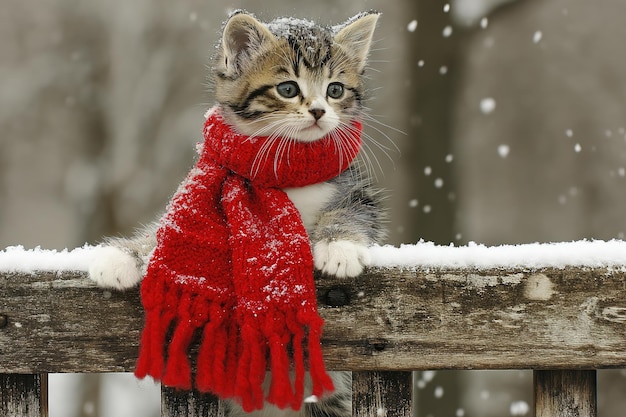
(509, 120)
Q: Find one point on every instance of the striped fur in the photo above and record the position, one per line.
(255, 58)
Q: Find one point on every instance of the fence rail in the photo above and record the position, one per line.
(562, 323)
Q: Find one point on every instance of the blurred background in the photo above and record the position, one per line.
(513, 115)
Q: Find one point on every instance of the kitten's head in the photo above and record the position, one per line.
(290, 77)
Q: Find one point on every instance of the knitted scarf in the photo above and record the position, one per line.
(232, 272)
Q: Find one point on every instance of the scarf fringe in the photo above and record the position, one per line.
(170, 362)
(247, 348)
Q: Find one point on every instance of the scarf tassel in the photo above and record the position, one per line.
(284, 339)
(215, 356)
(244, 350)
(178, 370)
(174, 369)
(320, 379)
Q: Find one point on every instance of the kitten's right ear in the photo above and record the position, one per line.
(243, 37)
(356, 35)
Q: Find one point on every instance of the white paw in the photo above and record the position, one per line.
(342, 258)
(113, 268)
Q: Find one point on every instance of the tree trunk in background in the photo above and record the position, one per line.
(432, 65)
(433, 52)
(89, 401)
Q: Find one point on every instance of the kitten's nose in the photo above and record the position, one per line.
(317, 113)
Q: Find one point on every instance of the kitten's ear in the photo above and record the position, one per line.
(356, 35)
(242, 38)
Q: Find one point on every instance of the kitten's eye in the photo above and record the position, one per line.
(288, 89)
(335, 90)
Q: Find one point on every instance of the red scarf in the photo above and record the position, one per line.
(233, 270)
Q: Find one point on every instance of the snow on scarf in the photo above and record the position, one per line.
(233, 270)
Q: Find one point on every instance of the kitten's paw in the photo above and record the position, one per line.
(114, 268)
(342, 258)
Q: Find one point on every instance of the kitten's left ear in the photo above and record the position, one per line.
(356, 35)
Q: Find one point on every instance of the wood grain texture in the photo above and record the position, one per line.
(382, 394)
(565, 394)
(547, 319)
(23, 395)
(63, 323)
(385, 320)
(176, 403)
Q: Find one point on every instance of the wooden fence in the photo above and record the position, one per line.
(562, 323)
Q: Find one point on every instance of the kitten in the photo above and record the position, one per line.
(295, 79)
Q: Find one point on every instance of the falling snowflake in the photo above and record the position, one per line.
(487, 105)
(519, 408)
(503, 151)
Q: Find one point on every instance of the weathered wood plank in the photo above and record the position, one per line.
(63, 323)
(565, 394)
(23, 395)
(386, 320)
(382, 394)
(546, 319)
(176, 403)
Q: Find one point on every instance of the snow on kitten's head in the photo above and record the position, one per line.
(292, 78)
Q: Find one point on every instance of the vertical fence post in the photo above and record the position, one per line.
(24, 395)
(177, 403)
(565, 394)
(382, 394)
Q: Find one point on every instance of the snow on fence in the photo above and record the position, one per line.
(558, 309)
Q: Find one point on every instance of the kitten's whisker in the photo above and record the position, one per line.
(265, 150)
(280, 151)
(369, 118)
(348, 136)
(385, 150)
(364, 155)
(368, 122)
(368, 156)
(336, 140)
(261, 155)
(371, 143)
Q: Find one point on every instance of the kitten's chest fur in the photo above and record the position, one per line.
(310, 200)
